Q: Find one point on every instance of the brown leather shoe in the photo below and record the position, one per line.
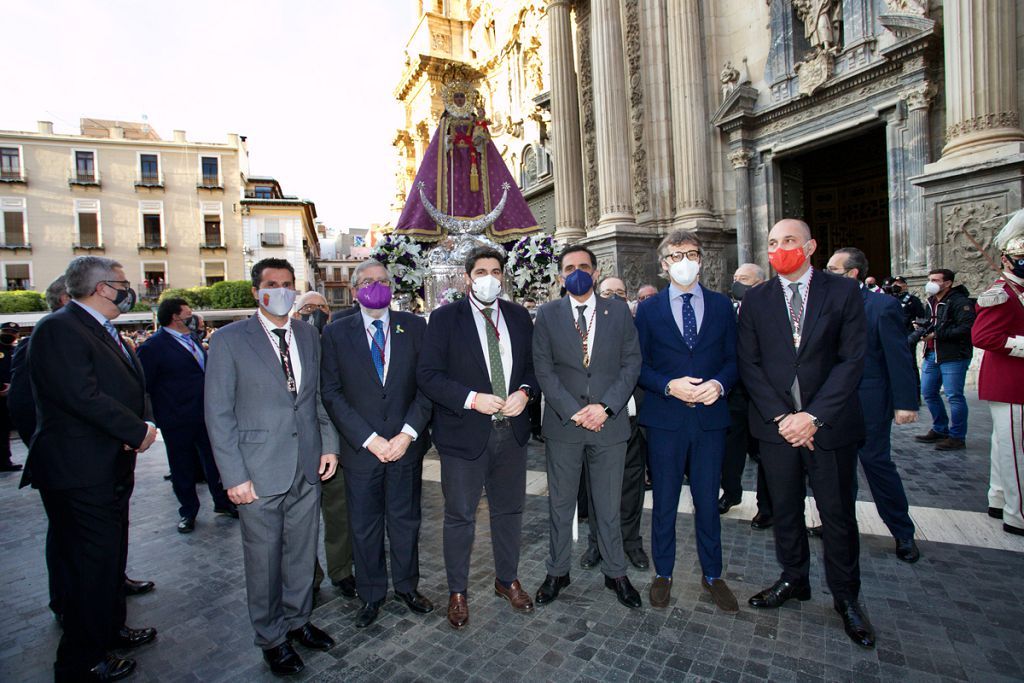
(517, 597)
(930, 437)
(950, 444)
(458, 611)
(661, 591)
(721, 594)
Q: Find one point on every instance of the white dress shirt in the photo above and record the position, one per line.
(504, 344)
(275, 343)
(370, 330)
(675, 296)
(589, 310)
(805, 284)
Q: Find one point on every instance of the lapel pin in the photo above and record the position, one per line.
(399, 330)
(606, 311)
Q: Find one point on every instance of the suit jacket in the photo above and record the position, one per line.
(344, 313)
(666, 357)
(90, 403)
(452, 364)
(569, 386)
(259, 431)
(21, 403)
(174, 381)
(890, 378)
(354, 397)
(829, 361)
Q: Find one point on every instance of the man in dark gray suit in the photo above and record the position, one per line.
(273, 443)
(587, 359)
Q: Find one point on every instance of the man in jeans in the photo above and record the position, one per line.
(947, 354)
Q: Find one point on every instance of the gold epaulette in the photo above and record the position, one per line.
(993, 296)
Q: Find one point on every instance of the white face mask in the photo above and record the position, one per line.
(486, 289)
(932, 288)
(277, 301)
(684, 272)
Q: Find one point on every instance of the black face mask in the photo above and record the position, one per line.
(614, 296)
(317, 319)
(1016, 265)
(191, 323)
(738, 290)
(8, 339)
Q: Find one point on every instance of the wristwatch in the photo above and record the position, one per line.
(815, 421)
(608, 411)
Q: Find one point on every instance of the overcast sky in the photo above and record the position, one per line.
(308, 81)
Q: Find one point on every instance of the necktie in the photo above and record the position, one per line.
(286, 360)
(689, 322)
(494, 355)
(196, 353)
(378, 350)
(581, 325)
(797, 306)
(112, 331)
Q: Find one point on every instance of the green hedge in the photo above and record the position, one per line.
(197, 297)
(21, 302)
(223, 295)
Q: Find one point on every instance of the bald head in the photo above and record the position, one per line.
(749, 274)
(790, 227)
(311, 298)
(612, 286)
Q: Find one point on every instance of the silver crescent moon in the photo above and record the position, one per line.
(464, 226)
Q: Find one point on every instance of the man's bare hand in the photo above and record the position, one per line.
(399, 444)
(488, 404)
(243, 494)
(148, 441)
(798, 430)
(381, 448)
(707, 393)
(514, 404)
(591, 417)
(905, 417)
(684, 388)
(328, 466)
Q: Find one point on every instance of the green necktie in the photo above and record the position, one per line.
(494, 354)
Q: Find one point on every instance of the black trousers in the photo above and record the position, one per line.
(189, 454)
(89, 528)
(831, 475)
(5, 432)
(739, 444)
(632, 506)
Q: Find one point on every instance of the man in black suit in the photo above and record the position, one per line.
(477, 367)
(9, 333)
(92, 411)
(175, 367)
(801, 355)
(368, 384)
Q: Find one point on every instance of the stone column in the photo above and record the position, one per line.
(565, 126)
(740, 160)
(658, 118)
(981, 75)
(917, 152)
(690, 131)
(611, 121)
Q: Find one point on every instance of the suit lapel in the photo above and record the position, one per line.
(568, 323)
(101, 333)
(361, 349)
(783, 324)
(815, 300)
(709, 316)
(261, 346)
(665, 307)
(468, 325)
(170, 341)
(306, 337)
(601, 320)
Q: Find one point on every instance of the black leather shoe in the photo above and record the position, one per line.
(907, 550)
(1013, 530)
(346, 586)
(230, 512)
(779, 593)
(995, 513)
(725, 503)
(133, 587)
(856, 623)
(624, 591)
(310, 636)
(113, 668)
(591, 558)
(128, 638)
(186, 525)
(415, 601)
(761, 521)
(11, 467)
(550, 589)
(367, 614)
(283, 660)
(638, 558)
(815, 531)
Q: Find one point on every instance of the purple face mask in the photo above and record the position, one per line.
(375, 296)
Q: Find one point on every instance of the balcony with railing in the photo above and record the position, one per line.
(152, 289)
(149, 179)
(16, 244)
(84, 177)
(209, 182)
(272, 239)
(13, 175)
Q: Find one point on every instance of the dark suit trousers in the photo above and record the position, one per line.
(883, 478)
(831, 475)
(5, 432)
(738, 444)
(386, 497)
(670, 453)
(89, 528)
(632, 505)
(501, 470)
(337, 530)
(185, 446)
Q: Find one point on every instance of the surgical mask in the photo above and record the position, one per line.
(738, 290)
(374, 296)
(124, 299)
(579, 282)
(932, 288)
(486, 289)
(684, 272)
(277, 301)
(787, 261)
(317, 319)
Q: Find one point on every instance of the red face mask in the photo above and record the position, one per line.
(785, 261)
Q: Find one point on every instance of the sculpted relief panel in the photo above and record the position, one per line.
(964, 228)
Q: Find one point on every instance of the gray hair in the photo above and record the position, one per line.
(680, 236)
(758, 270)
(85, 272)
(368, 263)
(855, 258)
(54, 292)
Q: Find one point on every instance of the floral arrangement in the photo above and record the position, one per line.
(405, 261)
(450, 295)
(533, 266)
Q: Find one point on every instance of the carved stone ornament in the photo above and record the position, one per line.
(814, 72)
(920, 96)
(636, 103)
(741, 158)
(960, 254)
(821, 19)
(917, 7)
(729, 77)
(1003, 119)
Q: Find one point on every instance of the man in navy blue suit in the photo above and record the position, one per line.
(688, 341)
(368, 386)
(477, 367)
(175, 367)
(887, 390)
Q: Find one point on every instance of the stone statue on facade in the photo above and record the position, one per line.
(821, 20)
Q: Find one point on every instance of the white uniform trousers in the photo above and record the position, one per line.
(1006, 480)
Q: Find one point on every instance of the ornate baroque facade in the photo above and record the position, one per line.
(893, 125)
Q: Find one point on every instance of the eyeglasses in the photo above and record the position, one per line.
(127, 283)
(836, 270)
(610, 292)
(309, 308)
(677, 256)
(368, 281)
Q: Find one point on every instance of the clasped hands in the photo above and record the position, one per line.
(590, 417)
(389, 450)
(489, 404)
(798, 429)
(694, 390)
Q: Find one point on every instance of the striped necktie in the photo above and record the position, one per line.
(112, 331)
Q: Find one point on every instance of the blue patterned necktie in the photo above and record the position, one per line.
(112, 331)
(378, 352)
(689, 322)
(196, 353)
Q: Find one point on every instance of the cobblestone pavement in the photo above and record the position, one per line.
(955, 615)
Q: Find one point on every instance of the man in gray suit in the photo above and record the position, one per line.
(273, 444)
(587, 359)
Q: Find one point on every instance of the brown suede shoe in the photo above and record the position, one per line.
(721, 594)
(661, 591)
(458, 611)
(517, 597)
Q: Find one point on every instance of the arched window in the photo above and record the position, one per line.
(529, 170)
